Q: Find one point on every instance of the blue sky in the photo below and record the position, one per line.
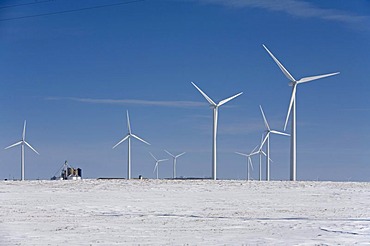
(72, 76)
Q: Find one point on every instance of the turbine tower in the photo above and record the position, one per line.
(22, 143)
(128, 138)
(215, 107)
(267, 141)
(174, 162)
(249, 160)
(292, 110)
(157, 163)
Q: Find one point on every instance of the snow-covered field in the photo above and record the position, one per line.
(180, 212)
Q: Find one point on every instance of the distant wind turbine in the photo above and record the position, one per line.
(174, 161)
(260, 152)
(156, 167)
(267, 141)
(249, 160)
(215, 107)
(292, 108)
(22, 143)
(128, 138)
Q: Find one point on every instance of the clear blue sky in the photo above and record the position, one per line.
(72, 76)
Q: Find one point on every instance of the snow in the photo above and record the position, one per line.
(180, 212)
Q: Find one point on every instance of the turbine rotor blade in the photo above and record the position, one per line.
(13, 145)
(180, 154)
(142, 140)
(292, 99)
(261, 138)
(282, 68)
(280, 133)
(254, 149)
(205, 95)
(264, 140)
(241, 154)
(308, 79)
(31, 147)
(222, 102)
(253, 153)
(153, 156)
(24, 131)
(169, 153)
(162, 160)
(122, 140)
(250, 161)
(128, 122)
(264, 119)
(156, 166)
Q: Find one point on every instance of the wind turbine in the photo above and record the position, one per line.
(292, 109)
(249, 160)
(174, 161)
(157, 163)
(260, 152)
(215, 107)
(267, 141)
(128, 138)
(22, 143)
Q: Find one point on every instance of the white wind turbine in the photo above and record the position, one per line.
(157, 163)
(128, 138)
(249, 160)
(260, 152)
(22, 143)
(267, 141)
(174, 161)
(215, 107)
(292, 109)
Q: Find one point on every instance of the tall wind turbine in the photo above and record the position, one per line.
(22, 143)
(215, 107)
(292, 109)
(157, 163)
(249, 160)
(128, 138)
(267, 141)
(174, 161)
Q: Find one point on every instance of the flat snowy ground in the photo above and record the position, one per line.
(194, 212)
